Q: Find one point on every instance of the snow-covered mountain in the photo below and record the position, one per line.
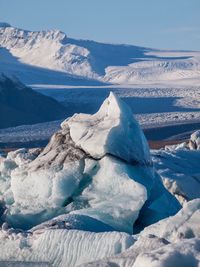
(20, 104)
(80, 60)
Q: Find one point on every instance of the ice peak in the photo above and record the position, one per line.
(112, 96)
(113, 100)
(111, 105)
(112, 130)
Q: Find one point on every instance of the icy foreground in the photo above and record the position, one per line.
(76, 198)
(174, 241)
(178, 166)
(62, 247)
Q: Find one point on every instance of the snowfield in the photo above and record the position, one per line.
(85, 201)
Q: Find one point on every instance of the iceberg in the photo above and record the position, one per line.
(97, 166)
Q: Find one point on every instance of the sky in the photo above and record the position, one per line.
(172, 24)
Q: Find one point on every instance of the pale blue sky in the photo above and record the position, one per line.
(151, 23)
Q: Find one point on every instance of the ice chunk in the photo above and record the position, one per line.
(112, 130)
(45, 188)
(185, 224)
(116, 193)
(179, 170)
(128, 257)
(23, 155)
(182, 254)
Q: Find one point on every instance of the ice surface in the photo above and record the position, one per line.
(62, 247)
(185, 224)
(181, 254)
(170, 242)
(24, 264)
(155, 252)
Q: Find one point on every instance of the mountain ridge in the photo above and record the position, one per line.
(86, 60)
(20, 104)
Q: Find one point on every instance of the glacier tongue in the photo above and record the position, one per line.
(112, 130)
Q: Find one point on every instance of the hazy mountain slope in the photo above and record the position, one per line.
(21, 105)
(127, 64)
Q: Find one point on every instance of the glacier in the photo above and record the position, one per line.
(97, 196)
